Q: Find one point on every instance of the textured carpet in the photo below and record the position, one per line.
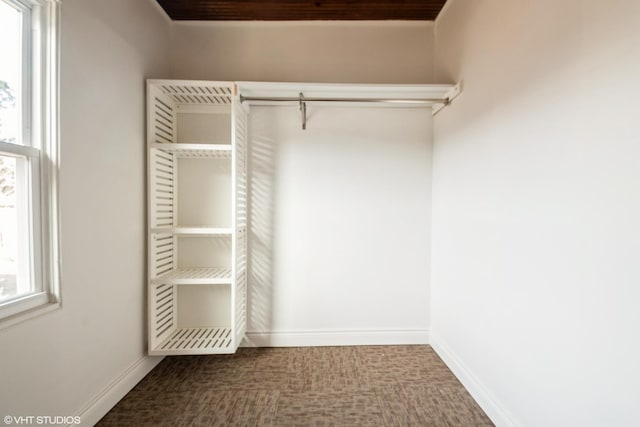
(306, 386)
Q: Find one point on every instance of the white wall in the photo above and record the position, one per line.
(57, 363)
(536, 237)
(340, 226)
(349, 260)
(328, 51)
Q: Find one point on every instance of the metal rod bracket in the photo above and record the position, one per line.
(303, 111)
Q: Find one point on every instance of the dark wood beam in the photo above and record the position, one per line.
(301, 10)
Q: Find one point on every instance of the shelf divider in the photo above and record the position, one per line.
(195, 276)
(194, 231)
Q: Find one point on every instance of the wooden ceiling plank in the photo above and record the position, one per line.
(287, 10)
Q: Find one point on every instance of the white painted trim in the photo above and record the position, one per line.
(25, 315)
(102, 403)
(336, 338)
(161, 11)
(482, 395)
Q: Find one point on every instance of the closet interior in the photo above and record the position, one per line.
(197, 138)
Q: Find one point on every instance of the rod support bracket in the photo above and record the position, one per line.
(303, 111)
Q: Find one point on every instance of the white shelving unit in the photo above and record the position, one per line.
(196, 137)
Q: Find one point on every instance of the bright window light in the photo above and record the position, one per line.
(11, 64)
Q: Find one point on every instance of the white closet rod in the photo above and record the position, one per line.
(302, 100)
(314, 99)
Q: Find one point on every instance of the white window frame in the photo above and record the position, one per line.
(40, 150)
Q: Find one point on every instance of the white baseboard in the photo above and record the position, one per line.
(98, 407)
(336, 338)
(487, 401)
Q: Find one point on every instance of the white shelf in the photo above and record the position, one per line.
(197, 216)
(196, 341)
(193, 231)
(195, 276)
(342, 91)
(209, 151)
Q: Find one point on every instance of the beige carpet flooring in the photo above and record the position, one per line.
(306, 386)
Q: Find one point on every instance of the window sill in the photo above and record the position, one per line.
(29, 314)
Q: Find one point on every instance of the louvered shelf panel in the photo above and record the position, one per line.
(195, 276)
(198, 92)
(196, 341)
(196, 151)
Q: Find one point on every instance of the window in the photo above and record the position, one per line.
(28, 158)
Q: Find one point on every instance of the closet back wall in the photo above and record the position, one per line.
(340, 212)
(339, 225)
(323, 52)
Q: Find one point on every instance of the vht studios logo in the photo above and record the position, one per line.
(41, 420)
